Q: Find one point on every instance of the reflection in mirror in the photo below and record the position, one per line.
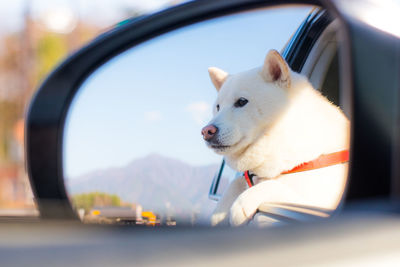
(133, 152)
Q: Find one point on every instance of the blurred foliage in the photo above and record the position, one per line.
(10, 59)
(8, 116)
(26, 58)
(87, 201)
(51, 48)
(10, 110)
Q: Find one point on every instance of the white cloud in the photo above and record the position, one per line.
(153, 115)
(200, 111)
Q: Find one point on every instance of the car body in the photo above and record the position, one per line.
(370, 67)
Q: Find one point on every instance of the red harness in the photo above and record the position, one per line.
(322, 161)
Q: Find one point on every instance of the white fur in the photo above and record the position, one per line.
(286, 122)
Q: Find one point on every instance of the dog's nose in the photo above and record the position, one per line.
(209, 132)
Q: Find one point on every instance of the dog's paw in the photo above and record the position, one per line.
(242, 210)
(219, 218)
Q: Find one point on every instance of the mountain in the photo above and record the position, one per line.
(158, 183)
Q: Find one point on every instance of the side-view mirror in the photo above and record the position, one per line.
(129, 147)
(114, 133)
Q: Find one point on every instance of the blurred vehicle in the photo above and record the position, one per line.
(150, 218)
(363, 233)
(126, 215)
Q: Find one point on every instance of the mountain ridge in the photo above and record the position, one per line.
(159, 183)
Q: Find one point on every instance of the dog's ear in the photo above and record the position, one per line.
(276, 69)
(217, 76)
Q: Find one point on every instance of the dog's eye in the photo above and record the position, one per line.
(217, 107)
(241, 102)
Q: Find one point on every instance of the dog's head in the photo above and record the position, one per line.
(247, 104)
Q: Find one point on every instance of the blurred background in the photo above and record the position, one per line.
(35, 35)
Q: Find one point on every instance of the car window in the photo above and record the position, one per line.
(133, 140)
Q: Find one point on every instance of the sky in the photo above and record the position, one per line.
(156, 97)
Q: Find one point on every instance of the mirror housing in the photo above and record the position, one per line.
(48, 109)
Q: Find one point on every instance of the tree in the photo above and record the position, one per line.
(87, 201)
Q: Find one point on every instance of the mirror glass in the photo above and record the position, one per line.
(133, 146)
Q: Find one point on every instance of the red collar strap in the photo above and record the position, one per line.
(322, 161)
(249, 178)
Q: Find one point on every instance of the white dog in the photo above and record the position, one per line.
(268, 121)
